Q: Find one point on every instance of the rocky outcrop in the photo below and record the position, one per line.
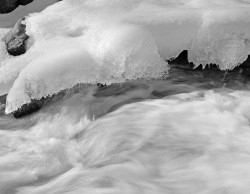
(7, 6)
(16, 38)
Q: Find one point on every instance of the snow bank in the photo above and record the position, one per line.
(110, 41)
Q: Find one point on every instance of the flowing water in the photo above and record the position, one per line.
(156, 127)
(184, 134)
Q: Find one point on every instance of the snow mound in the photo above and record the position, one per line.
(91, 41)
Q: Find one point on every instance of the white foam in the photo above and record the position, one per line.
(195, 142)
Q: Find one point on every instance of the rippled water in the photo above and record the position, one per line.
(186, 134)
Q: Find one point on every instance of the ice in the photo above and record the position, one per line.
(224, 44)
(77, 41)
(117, 57)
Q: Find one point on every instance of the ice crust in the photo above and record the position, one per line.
(107, 41)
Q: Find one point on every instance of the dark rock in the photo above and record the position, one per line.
(3, 99)
(100, 85)
(7, 6)
(16, 38)
(36, 105)
(27, 109)
(2, 104)
(181, 59)
(24, 2)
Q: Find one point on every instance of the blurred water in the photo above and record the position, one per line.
(185, 134)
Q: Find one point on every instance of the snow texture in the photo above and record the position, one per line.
(107, 41)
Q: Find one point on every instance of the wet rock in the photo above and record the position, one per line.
(2, 104)
(181, 59)
(36, 105)
(30, 108)
(3, 99)
(16, 38)
(24, 2)
(7, 6)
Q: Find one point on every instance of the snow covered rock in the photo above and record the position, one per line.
(36, 105)
(15, 39)
(28, 109)
(112, 41)
(8, 6)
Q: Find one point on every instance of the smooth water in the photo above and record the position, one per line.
(184, 134)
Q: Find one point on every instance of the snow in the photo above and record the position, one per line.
(107, 41)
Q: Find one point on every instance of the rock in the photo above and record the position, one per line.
(3, 99)
(8, 6)
(181, 59)
(30, 108)
(2, 104)
(16, 38)
(36, 105)
(24, 2)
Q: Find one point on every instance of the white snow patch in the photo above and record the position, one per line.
(111, 41)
